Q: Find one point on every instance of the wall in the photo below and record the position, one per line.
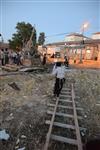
(99, 52)
(96, 36)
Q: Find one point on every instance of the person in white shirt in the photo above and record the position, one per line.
(2, 57)
(59, 72)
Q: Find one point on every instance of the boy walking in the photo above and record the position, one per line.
(59, 72)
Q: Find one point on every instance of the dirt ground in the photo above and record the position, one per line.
(23, 112)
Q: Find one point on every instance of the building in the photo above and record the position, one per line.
(76, 46)
(4, 45)
(96, 35)
(75, 37)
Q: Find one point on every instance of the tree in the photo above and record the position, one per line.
(16, 42)
(22, 35)
(41, 38)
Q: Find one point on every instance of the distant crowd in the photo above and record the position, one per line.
(17, 58)
(11, 57)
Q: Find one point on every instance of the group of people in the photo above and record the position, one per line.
(66, 62)
(4, 56)
(17, 58)
(11, 57)
(58, 69)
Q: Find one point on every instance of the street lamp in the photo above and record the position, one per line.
(65, 49)
(83, 28)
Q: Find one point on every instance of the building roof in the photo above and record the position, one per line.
(89, 41)
(4, 45)
(77, 34)
(96, 33)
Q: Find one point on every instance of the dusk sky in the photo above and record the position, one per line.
(51, 17)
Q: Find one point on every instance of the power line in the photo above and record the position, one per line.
(59, 34)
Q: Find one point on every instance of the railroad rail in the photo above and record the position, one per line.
(67, 96)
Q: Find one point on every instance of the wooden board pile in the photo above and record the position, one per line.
(10, 68)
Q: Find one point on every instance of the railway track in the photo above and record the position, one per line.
(65, 102)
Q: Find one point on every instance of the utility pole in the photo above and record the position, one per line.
(82, 43)
(84, 26)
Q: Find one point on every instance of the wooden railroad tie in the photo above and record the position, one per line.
(69, 97)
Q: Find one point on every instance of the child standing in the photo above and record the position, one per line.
(59, 72)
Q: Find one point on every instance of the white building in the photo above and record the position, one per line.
(75, 44)
(96, 35)
(75, 37)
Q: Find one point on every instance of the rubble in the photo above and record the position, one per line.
(23, 113)
(14, 86)
(23, 136)
(31, 69)
(10, 117)
(10, 68)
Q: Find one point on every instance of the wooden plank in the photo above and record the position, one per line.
(63, 139)
(61, 106)
(66, 89)
(68, 101)
(63, 100)
(13, 66)
(58, 124)
(65, 92)
(9, 69)
(98, 104)
(76, 121)
(66, 96)
(31, 69)
(50, 128)
(66, 107)
(63, 114)
(11, 73)
(62, 125)
(60, 114)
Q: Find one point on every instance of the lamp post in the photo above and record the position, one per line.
(65, 50)
(83, 28)
(81, 47)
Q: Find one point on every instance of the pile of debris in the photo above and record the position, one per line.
(10, 68)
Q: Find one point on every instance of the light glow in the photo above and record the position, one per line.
(85, 26)
(88, 51)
